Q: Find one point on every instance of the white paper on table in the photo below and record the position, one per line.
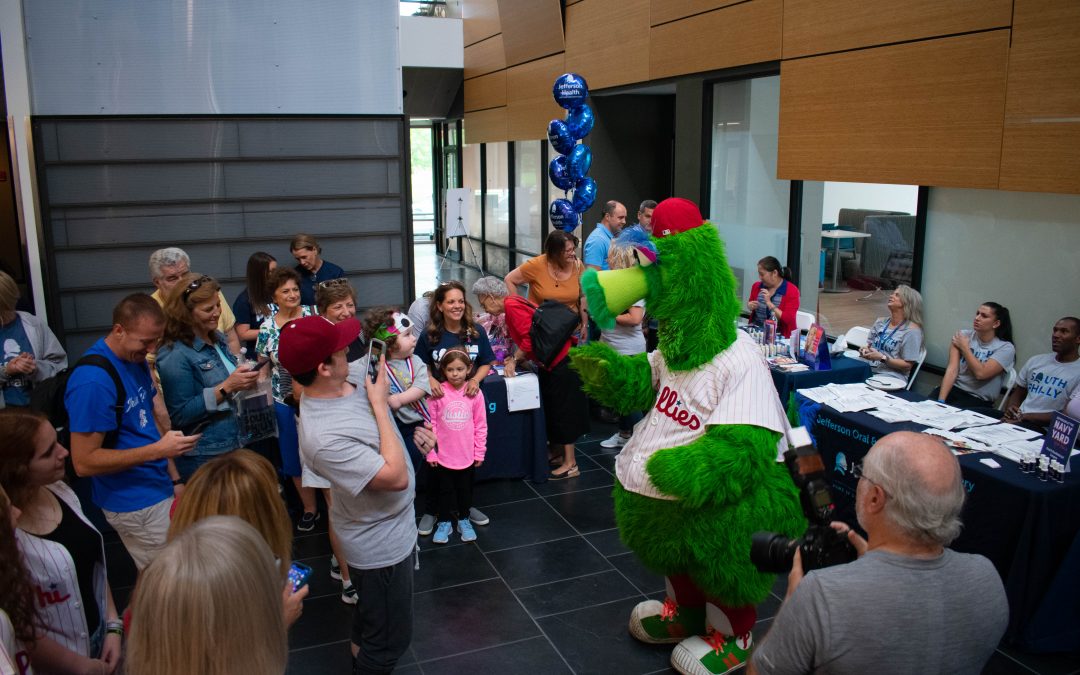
(999, 434)
(522, 392)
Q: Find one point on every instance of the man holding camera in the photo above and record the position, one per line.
(908, 604)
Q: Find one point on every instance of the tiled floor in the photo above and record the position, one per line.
(547, 587)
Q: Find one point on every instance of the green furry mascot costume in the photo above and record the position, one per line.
(700, 473)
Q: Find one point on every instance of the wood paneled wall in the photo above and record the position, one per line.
(531, 29)
(923, 113)
(607, 41)
(816, 27)
(960, 93)
(748, 32)
(1041, 149)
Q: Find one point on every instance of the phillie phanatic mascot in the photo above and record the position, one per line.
(700, 474)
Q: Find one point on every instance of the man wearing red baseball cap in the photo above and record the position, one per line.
(347, 436)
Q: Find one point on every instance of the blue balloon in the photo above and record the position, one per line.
(578, 162)
(570, 90)
(560, 137)
(584, 194)
(559, 173)
(580, 121)
(563, 215)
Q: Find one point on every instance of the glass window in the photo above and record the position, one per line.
(497, 207)
(858, 272)
(470, 161)
(746, 202)
(528, 211)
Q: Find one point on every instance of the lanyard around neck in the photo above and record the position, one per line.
(883, 338)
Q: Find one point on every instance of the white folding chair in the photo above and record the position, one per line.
(915, 370)
(1010, 382)
(856, 337)
(804, 320)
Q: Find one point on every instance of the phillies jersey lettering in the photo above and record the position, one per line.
(668, 403)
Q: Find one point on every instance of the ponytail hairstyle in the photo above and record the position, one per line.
(1004, 330)
(17, 597)
(771, 264)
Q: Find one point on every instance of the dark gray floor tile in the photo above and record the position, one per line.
(459, 619)
(1045, 664)
(527, 657)
(520, 524)
(595, 640)
(450, 566)
(585, 463)
(547, 562)
(646, 581)
(310, 545)
(588, 480)
(605, 460)
(336, 657)
(501, 491)
(587, 510)
(999, 664)
(607, 542)
(325, 619)
(578, 593)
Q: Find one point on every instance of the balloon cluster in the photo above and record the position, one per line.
(569, 171)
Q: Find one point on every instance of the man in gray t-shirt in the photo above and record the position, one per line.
(348, 436)
(908, 604)
(1046, 381)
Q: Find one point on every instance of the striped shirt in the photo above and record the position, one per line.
(56, 584)
(734, 388)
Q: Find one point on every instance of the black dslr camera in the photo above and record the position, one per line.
(821, 546)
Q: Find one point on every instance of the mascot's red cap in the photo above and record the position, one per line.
(675, 215)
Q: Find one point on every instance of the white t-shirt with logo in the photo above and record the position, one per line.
(734, 388)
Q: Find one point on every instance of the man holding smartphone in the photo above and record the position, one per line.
(347, 434)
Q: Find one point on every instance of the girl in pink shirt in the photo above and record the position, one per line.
(460, 425)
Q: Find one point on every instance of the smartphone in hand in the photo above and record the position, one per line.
(376, 349)
(299, 573)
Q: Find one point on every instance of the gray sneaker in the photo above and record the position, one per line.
(478, 517)
(427, 525)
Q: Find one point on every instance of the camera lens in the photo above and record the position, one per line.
(772, 553)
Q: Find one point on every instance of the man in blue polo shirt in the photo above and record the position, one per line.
(611, 223)
(133, 479)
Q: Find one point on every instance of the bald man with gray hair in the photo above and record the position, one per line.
(908, 604)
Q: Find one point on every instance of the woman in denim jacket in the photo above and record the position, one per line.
(198, 374)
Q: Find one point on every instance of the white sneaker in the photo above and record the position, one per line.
(616, 441)
(348, 594)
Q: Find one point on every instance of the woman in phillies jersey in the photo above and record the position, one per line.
(64, 552)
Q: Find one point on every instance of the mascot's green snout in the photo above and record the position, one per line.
(699, 475)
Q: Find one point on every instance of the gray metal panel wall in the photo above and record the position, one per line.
(113, 190)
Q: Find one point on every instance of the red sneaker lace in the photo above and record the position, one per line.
(716, 640)
(670, 609)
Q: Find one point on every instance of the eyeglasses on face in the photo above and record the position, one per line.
(859, 472)
(195, 285)
(332, 283)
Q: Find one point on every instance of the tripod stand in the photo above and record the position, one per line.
(459, 231)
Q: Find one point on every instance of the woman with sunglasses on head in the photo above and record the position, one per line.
(285, 286)
(256, 302)
(198, 374)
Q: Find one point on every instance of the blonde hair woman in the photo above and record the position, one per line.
(209, 603)
(896, 341)
(244, 485)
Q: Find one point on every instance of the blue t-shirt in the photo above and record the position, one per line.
(479, 350)
(597, 245)
(90, 398)
(13, 340)
(308, 280)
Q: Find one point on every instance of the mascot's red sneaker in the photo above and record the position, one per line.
(713, 654)
(658, 623)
